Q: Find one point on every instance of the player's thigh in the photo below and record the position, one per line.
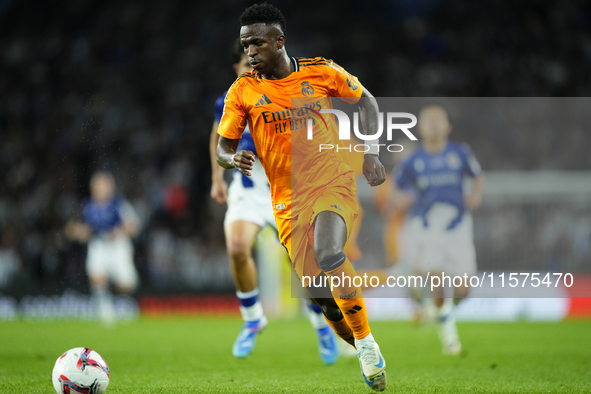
(460, 252)
(330, 234)
(334, 214)
(122, 268)
(461, 257)
(126, 279)
(425, 249)
(96, 269)
(294, 234)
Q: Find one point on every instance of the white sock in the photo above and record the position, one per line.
(315, 316)
(104, 304)
(431, 310)
(447, 310)
(367, 339)
(250, 306)
(448, 331)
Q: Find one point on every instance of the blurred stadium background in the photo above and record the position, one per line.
(129, 86)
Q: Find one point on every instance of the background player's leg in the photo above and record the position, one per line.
(327, 347)
(124, 288)
(425, 311)
(445, 316)
(99, 287)
(98, 264)
(123, 272)
(125, 279)
(452, 344)
(240, 237)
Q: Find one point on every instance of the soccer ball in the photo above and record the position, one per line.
(80, 370)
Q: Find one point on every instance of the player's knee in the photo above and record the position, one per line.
(330, 263)
(461, 292)
(327, 251)
(239, 251)
(98, 281)
(125, 288)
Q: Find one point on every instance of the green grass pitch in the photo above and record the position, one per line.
(193, 355)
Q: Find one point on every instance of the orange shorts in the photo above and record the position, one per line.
(297, 234)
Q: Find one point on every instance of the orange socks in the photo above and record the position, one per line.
(342, 329)
(348, 297)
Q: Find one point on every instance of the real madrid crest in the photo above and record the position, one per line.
(307, 89)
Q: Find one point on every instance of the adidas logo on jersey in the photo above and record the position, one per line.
(336, 207)
(263, 100)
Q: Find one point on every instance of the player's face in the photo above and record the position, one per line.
(102, 188)
(243, 66)
(262, 44)
(433, 124)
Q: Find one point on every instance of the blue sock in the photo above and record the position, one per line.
(315, 307)
(323, 331)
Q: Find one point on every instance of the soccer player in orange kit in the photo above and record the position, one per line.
(313, 192)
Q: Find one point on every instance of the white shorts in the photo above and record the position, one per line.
(112, 259)
(251, 204)
(434, 249)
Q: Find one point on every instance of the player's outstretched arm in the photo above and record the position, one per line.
(373, 170)
(228, 158)
(219, 187)
(130, 222)
(402, 200)
(474, 199)
(78, 231)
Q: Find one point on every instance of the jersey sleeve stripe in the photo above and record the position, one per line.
(303, 60)
(315, 64)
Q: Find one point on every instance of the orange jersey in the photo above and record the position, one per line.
(277, 112)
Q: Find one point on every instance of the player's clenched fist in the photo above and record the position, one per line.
(373, 170)
(243, 161)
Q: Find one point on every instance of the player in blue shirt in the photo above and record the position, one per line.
(108, 223)
(249, 211)
(440, 236)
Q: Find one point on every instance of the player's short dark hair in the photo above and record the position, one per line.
(263, 13)
(237, 51)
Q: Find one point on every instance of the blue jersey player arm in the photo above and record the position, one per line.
(472, 168)
(130, 222)
(219, 187)
(404, 185)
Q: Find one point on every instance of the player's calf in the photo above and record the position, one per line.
(348, 297)
(332, 314)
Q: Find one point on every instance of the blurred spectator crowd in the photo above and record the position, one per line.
(129, 86)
